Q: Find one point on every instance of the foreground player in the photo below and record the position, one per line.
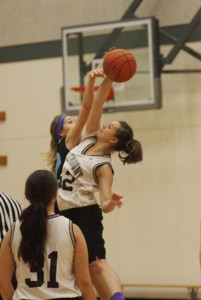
(10, 211)
(87, 169)
(48, 251)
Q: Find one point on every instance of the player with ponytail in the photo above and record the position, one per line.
(88, 169)
(48, 251)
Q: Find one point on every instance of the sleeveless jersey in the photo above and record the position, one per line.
(56, 278)
(62, 151)
(79, 182)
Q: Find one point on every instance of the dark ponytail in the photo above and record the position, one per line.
(130, 150)
(40, 188)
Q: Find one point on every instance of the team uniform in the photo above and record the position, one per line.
(76, 197)
(10, 211)
(62, 151)
(56, 279)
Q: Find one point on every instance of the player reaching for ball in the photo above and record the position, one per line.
(86, 170)
(66, 131)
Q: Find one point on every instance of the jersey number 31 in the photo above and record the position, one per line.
(52, 283)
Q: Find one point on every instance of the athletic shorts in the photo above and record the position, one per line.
(89, 219)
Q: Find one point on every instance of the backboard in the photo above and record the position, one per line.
(84, 48)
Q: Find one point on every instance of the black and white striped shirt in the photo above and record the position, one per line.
(10, 211)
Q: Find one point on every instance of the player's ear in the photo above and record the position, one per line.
(114, 140)
(62, 134)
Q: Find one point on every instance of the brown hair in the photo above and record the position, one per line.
(130, 150)
(40, 188)
(50, 156)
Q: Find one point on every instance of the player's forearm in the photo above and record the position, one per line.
(103, 91)
(100, 97)
(6, 292)
(88, 93)
(87, 291)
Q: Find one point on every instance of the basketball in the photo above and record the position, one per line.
(119, 65)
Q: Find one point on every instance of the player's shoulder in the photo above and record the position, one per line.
(59, 218)
(89, 139)
(84, 144)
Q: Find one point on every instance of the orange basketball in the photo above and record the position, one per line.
(119, 65)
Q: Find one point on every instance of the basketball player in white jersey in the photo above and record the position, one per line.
(87, 169)
(48, 250)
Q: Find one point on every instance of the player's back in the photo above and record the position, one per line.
(56, 278)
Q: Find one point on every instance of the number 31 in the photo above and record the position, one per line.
(52, 283)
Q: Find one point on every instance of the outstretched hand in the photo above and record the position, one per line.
(117, 200)
(110, 49)
(97, 73)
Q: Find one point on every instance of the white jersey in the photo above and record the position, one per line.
(79, 182)
(56, 279)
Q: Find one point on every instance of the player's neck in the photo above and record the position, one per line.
(99, 149)
(50, 210)
(50, 213)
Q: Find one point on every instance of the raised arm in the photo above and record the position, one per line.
(81, 265)
(93, 123)
(73, 136)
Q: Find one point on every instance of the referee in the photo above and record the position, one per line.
(10, 211)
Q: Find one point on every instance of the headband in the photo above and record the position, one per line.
(59, 126)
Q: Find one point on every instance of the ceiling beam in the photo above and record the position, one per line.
(183, 38)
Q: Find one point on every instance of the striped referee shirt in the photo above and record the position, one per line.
(10, 211)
